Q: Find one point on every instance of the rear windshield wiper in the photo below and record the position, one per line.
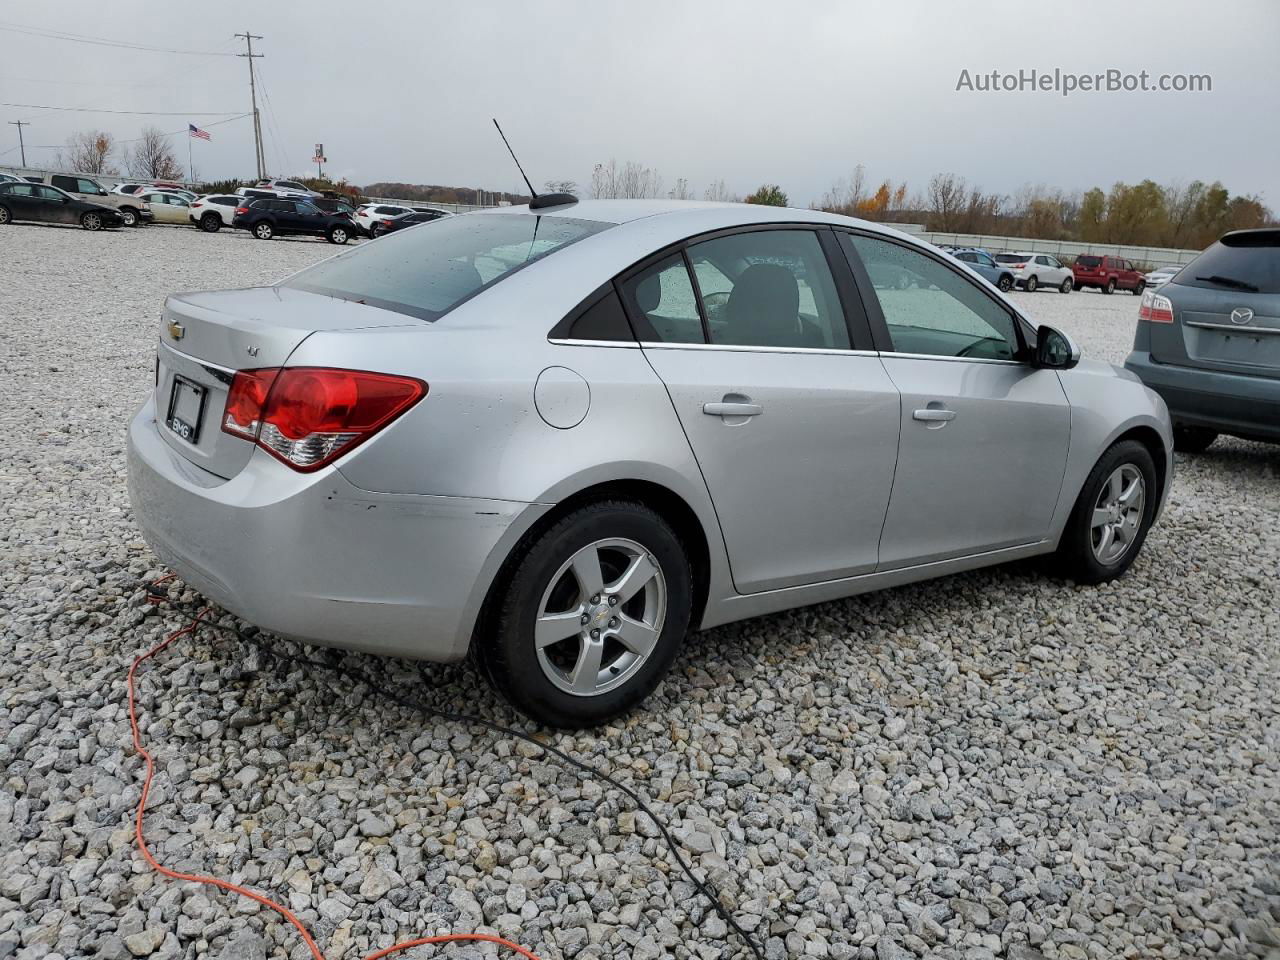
(1231, 282)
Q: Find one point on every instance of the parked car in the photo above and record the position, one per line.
(527, 430)
(213, 211)
(188, 195)
(279, 216)
(43, 203)
(367, 213)
(1107, 274)
(1034, 270)
(280, 188)
(335, 205)
(1159, 276)
(9, 178)
(133, 211)
(985, 266)
(392, 224)
(131, 189)
(1209, 342)
(168, 207)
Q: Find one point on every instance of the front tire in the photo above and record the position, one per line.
(1112, 515)
(1005, 283)
(1032, 283)
(338, 235)
(594, 611)
(130, 216)
(263, 231)
(1066, 286)
(211, 223)
(1142, 285)
(91, 221)
(1193, 439)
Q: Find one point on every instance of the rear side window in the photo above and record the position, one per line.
(662, 300)
(1248, 263)
(224, 201)
(426, 272)
(63, 183)
(602, 318)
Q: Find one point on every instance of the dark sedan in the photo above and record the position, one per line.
(281, 216)
(392, 224)
(38, 202)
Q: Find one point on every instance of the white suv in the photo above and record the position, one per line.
(213, 211)
(370, 213)
(1034, 270)
(281, 188)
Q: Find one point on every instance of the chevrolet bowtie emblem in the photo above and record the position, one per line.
(177, 330)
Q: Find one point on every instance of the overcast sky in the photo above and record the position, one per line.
(795, 92)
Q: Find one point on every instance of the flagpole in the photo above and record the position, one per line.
(191, 170)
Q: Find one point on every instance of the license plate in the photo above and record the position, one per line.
(186, 407)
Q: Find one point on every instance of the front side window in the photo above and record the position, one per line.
(425, 273)
(661, 297)
(770, 288)
(931, 309)
(49, 193)
(88, 186)
(985, 260)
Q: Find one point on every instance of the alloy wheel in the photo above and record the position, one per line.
(1117, 513)
(4, 214)
(92, 221)
(600, 617)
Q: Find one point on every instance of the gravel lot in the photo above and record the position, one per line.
(995, 764)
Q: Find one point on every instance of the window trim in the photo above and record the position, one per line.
(1023, 329)
(857, 321)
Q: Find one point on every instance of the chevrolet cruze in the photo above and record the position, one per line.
(559, 437)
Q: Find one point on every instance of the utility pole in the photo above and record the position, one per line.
(22, 147)
(260, 156)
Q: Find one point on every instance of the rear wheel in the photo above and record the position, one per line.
(5, 216)
(1193, 439)
(1110, 286)
(593, 613)
(1066, 286)
(211, 223)
(1005, 283)
(130, 216)
(1032, 283)
(91, 221)
(263, 231)
(338, 235)
(1112, 515)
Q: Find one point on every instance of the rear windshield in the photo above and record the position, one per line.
(1089, 262)
(1009, 258)
(427, 271)
(1249, 263)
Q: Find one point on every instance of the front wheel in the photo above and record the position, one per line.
(211, 223)
(1066, 286)
(338, 235)
(263, 231)
(1032, 283)
(1142, 285)
(130, 217)
(1112, 515)
(594, 611)
(91, 221)
(1006, 283)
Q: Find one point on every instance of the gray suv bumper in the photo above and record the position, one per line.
(1234, 403)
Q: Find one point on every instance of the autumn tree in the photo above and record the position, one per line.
(769, 195)
(89, 151)
(152, 157)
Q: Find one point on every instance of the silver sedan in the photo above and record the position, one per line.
(562, 436)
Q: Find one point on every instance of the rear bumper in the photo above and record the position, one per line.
(1232, 403)
(312, 557)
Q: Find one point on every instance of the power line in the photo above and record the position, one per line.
(117, 143)
(253, 96)
(102, 41)
(142, 113)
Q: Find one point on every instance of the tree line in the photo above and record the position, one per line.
(150, 156)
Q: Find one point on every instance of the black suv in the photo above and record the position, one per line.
(277, 216)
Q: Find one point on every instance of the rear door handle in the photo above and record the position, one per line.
(934, 415)
(728, 409)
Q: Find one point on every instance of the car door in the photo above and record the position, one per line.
(983, 435)
(21, 201)
(54, 206)
(791, 417)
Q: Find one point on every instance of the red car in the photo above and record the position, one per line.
(1108, 274)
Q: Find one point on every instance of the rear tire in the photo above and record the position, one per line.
(542, 583)
(1031, 284)
(1084, 552)
(211, 223)
(1193, 439)
(1066, 286)
(6, 217)
(263, 230)
(91, 221)
(1110, 287)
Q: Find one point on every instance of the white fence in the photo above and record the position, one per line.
(1069, 249)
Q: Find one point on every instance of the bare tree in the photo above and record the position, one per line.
(632, 180)
(89, 151)
(681, 191)
(561, 186)
(152, 157)
(947, 202)
(720, 193)
(845, 196)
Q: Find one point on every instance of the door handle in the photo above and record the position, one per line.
(934, 415)
(730, 409)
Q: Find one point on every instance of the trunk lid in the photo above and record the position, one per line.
(206, 337)
(1219, 329)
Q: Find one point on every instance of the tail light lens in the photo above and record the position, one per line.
(241, 210)
(1155, 308)
(307, 417)
(386, 223)
(1018, 266)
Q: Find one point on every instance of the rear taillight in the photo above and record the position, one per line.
(241, 210)
(1155, 308)
(1018, 266)
(197, 204)
(386, 223)
(308, 416)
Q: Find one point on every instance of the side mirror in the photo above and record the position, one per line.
(1055, 350)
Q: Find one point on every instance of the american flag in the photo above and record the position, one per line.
(197, 132)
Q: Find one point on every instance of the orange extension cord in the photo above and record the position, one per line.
(189, 629)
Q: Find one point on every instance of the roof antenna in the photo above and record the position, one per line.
(537, 202)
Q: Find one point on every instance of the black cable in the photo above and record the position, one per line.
(420, 706)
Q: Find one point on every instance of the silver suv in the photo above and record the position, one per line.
(134, 210)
